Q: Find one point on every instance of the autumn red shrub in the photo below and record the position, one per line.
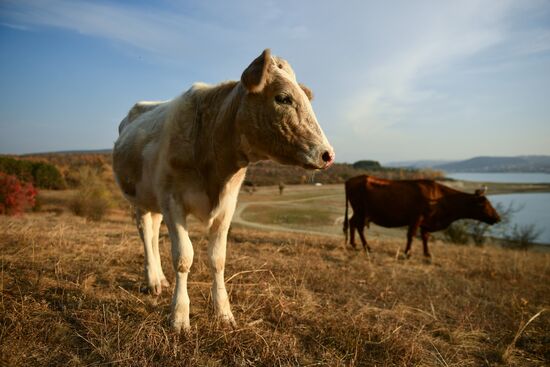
(15, 196)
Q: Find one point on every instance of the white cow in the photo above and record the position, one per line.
(189, 156)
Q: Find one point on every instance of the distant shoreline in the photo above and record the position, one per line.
(498, 188)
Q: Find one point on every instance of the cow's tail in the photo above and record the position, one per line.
(346, 222)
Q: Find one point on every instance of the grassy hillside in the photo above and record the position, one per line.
(71, 295)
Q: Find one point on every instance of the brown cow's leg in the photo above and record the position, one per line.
(352, 225)
(411, 232)
(361, 229)
(425, 237)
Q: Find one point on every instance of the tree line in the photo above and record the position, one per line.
(41, 174)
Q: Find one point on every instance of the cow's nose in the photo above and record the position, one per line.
(327, 157)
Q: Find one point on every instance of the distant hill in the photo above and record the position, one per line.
(528, 163)
(426, 163)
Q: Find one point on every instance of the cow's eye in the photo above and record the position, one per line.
(283, 99)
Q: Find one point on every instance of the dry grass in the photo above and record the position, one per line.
(71, 296)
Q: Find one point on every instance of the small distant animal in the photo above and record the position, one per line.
(189, 156)
(281, 188)
(423, 204)
(249, 186)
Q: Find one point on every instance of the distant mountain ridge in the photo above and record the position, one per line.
(525, 163)
(83, 151)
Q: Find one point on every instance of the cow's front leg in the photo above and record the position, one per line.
(411, 232)
(182, 259)
(425, 238)
(216, 253)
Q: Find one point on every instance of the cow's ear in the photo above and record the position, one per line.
(307, 91)
(482, 191)
(255, 75)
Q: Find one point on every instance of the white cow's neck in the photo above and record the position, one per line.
(218, 151)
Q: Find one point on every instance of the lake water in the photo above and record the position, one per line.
(536, 206)
(502, 177)
(536, 210)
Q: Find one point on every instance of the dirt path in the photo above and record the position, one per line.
(241, 207)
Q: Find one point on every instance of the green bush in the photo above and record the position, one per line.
(93, 198)
(47, 176)
(368, 165)
(457, 232)
(479, 231)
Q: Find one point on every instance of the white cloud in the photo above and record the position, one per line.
(392, 89)
(168, 34)
(15, 26)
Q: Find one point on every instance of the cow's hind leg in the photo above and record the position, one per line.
(352, 226)
(145, 227)
(157, 220)
(361, 230)
(182, 259)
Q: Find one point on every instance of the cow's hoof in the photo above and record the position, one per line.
(181, 326)
(228, 320)
(155, 288)
(404, 256)
(154, 282)
(164, 283)
(427, 260)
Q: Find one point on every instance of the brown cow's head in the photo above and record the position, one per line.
(484, 210)
(276, 120)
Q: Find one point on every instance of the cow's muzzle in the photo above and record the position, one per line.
(320, 158)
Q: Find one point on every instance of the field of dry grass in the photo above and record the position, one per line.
(72, 294)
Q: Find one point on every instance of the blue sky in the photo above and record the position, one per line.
(393, 80)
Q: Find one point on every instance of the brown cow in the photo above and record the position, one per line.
(423, 204)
